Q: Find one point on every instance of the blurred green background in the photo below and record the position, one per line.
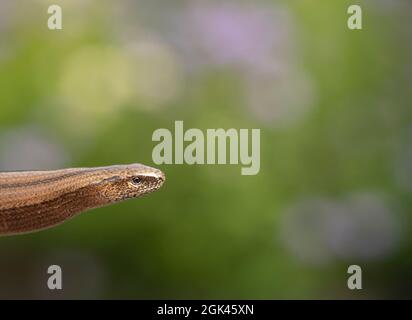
(334, 110)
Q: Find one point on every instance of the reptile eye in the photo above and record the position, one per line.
(136, 180)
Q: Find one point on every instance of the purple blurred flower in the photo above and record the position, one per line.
(363, 226)
(234, 34)
(7, 11)
(30, 148)
(258, 41)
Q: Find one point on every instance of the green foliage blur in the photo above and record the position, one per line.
(334, 110)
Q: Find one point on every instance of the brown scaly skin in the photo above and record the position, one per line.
(35, 200)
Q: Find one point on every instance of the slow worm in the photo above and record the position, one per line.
(36, 200)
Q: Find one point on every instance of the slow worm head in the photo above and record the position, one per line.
(35, 200)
